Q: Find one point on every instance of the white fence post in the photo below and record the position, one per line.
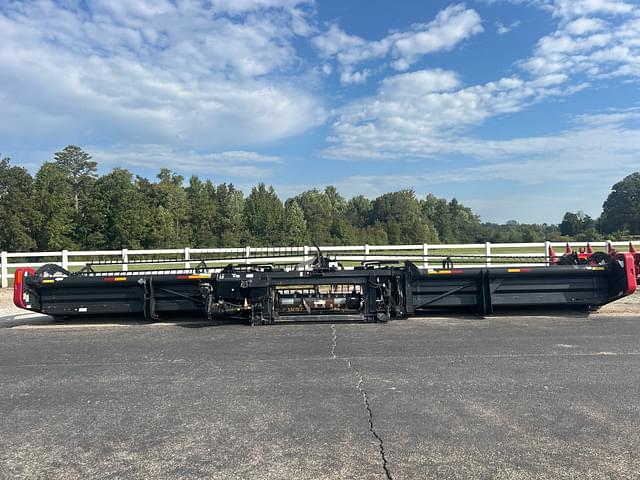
(487, 252)
(547, 246)
(366, 252)
(247, 254)
(3, 270)
(125, 260)
(305, 257)
(187, 257)
(65, 259)
(425, 256)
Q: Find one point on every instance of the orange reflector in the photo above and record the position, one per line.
(48, 281)
(444, 272)
(518, 270)
(115, 279)
(192, 277)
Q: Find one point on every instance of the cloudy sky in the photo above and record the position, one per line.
(521, 109)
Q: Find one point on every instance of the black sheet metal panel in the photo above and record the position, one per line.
(486, 289)
(137, 295)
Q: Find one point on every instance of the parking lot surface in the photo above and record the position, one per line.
(509, 397)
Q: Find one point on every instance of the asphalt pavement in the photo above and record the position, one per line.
(506, 398)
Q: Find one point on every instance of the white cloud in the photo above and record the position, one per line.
(583, 25)
(578, 166)
(238, 163)
(451, 26)
(240, 6)
(577, 8)
(594, 144)
(588, 45)
(423, 113)
(503, 29)
(568, 9)
(153, 72)
(417, 115)
(419, 83)
(348, 77)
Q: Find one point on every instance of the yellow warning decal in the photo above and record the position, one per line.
(445, 272)
(513, 270)
(48, 281)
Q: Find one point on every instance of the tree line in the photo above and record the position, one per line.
(67, 205)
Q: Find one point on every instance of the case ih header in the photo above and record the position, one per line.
(324, 290)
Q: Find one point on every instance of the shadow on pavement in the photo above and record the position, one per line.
(35, 320)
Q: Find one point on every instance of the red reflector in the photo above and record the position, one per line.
(18, 284)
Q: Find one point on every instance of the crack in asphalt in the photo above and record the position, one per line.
(365, 399)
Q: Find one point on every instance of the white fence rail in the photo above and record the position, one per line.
(420, 254)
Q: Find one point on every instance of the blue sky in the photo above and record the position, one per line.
(521, 109)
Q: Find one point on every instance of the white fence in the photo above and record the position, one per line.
(424, 255)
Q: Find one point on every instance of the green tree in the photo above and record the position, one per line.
(117, 214)
(203, 210)
(337, 201)
(401, 213)
(465, 224)
(576, 223)
(570, 224)
(54, 201)
(263, 215)
(319, 213)
(18, 215)
(231, 229)
(171, 211)
(374, 234)
(436, 210)
(295, 226)
(358, 211)
(80, 169)
(342, 232)
(621, 209)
